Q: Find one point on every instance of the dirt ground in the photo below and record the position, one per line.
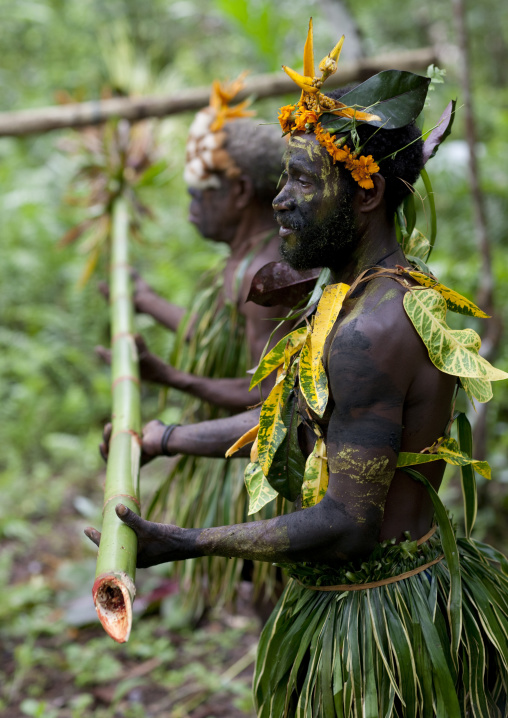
(57, 662)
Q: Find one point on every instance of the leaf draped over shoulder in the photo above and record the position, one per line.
(288, 345)
(313, 380)
(453, 351)
(454, 301)
(273, 420)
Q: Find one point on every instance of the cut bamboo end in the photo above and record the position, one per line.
(113, 595)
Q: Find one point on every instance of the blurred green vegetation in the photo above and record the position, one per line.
(54, 393)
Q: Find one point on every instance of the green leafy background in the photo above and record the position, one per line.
(54, 394)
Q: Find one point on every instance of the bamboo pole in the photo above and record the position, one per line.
(83, 114)
(114, 590)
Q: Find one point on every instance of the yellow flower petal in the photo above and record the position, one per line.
(302, 81)
(308, 53)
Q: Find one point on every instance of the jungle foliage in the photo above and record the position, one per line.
(54, 393)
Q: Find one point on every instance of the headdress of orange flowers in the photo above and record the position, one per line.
(205, 151)
(396, 96)
(223, 93)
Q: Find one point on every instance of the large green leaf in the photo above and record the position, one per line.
(315, 480)
(452, 560)
(416, 245)
(259, 490)
(273, 419)
(454, 301)
(469, 493)
(479, 389)
(396, 96)
(448, 450)
(453, 351)
(291, 343)
(288, 465)
(313, 380)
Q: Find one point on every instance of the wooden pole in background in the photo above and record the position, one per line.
(83, 114)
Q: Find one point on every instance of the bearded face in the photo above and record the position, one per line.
(314, 209)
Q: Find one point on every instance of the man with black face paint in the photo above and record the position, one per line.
(386, 612)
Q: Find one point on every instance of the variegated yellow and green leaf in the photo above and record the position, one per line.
(259, 490)
(272, 421)
(479, 389)
(416, 245)
(254, 451)
(288, 465)
(447, 450)
(247, 438)
(275, 357)
(454, 301)
(313, 381)
(453, 351)
(327, 312)
(315, 479)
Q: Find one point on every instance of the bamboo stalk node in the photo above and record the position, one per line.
(121, 496)
(113, 595)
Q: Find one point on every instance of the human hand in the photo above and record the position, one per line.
(157, 543)
(151, 444)
(151, 367)
(141, 291)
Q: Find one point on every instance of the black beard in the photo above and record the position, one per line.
(328, 243)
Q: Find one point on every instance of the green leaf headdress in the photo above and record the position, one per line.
(390, 99)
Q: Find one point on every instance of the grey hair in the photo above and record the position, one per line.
(257, 151)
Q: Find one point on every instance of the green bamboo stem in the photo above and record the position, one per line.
(114, 590)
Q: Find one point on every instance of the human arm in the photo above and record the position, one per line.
(205, 438)
(147, 301)
(368, 388)
(228, 393)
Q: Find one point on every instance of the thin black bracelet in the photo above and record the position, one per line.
(165, 438)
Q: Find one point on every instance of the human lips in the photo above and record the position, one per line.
(285, 228)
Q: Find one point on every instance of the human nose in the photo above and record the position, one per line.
(283, 202)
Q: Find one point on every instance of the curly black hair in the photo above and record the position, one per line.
(400, 171)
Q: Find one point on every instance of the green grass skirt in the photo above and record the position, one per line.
(386, 651)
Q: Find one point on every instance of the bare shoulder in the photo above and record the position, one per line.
(375, 329)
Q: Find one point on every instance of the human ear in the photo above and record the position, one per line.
(370, 199)
(244, 191)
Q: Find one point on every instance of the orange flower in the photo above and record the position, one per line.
(285, 117)
(339, 154)
(364, 168)
(305, 117)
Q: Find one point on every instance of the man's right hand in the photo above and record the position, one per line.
(151, 439)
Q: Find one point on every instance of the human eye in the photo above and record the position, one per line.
(304, 181)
